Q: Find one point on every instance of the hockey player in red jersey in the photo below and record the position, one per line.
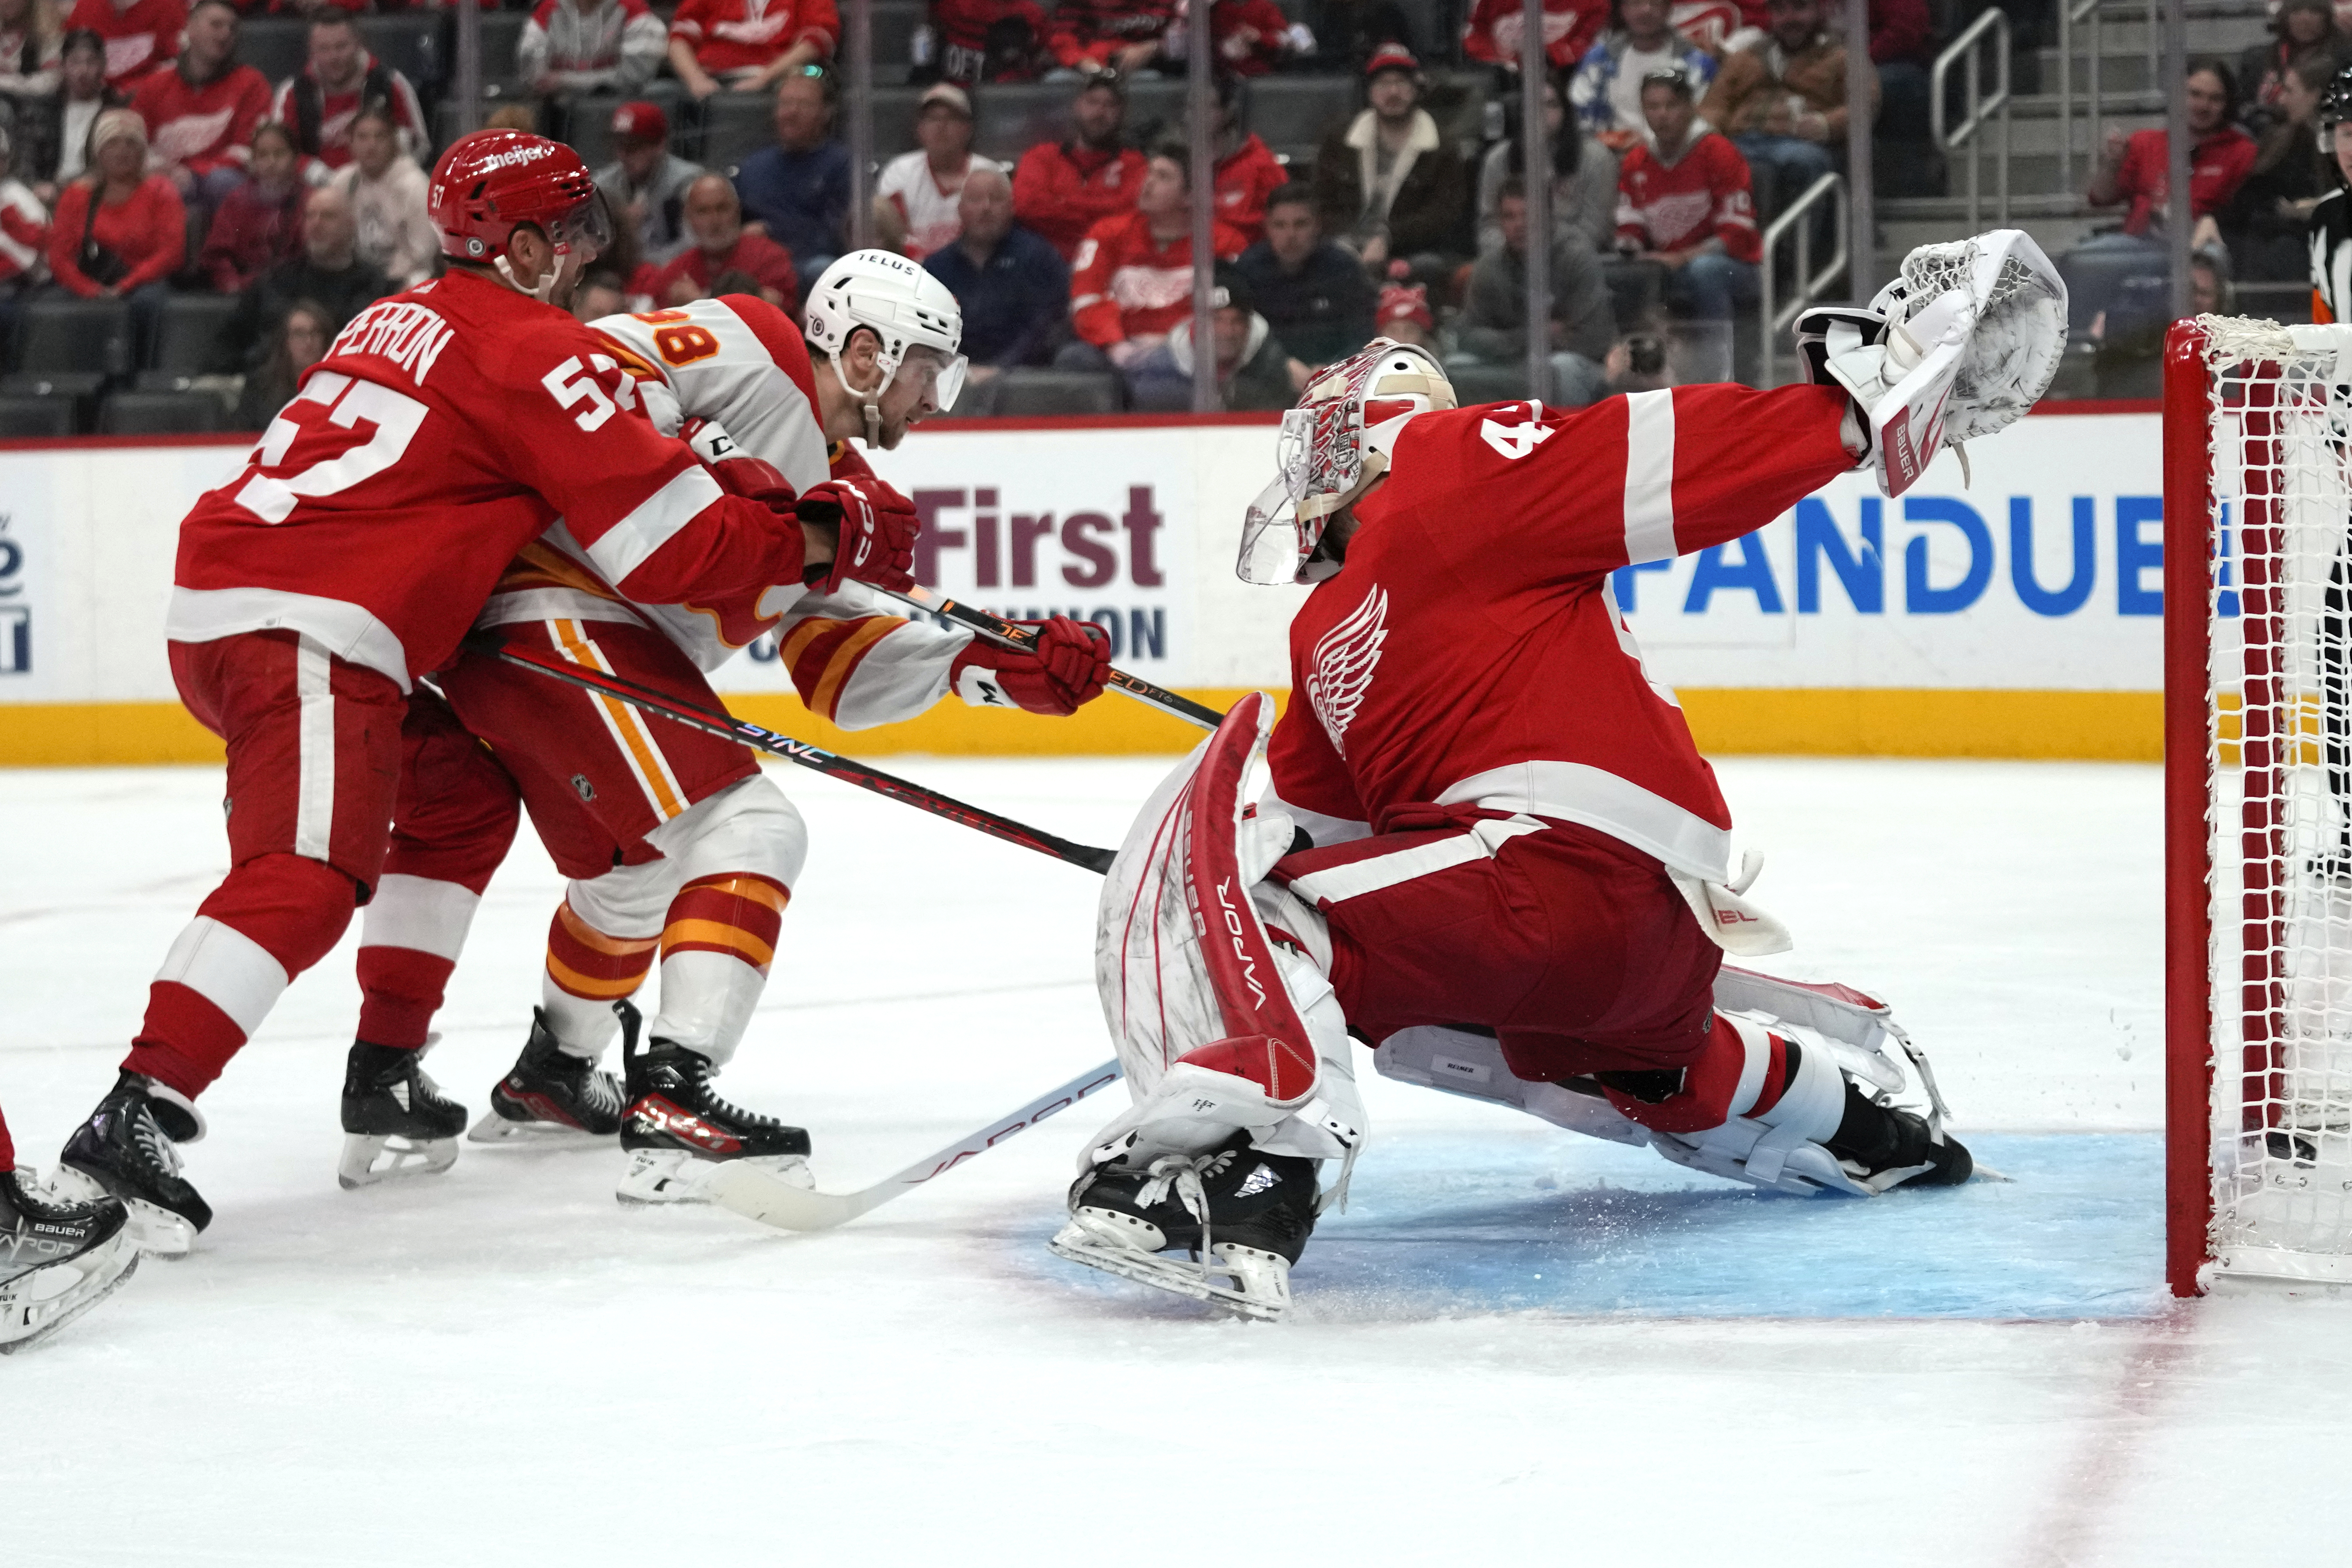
(1490, 845)
(444, 430)
(680, 849)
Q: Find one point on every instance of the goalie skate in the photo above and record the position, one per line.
(1243, 1217)
(58, 1259)
(1234, 1047)
(396, 1120)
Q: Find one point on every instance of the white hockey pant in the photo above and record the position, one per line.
(707, 997)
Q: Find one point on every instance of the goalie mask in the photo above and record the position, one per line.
(1333, 446)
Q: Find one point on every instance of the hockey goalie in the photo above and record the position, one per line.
(1490, 845)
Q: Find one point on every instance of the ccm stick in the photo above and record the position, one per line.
(1014, 635)
(759, 1194)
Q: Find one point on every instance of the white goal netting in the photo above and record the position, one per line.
(2279, 801)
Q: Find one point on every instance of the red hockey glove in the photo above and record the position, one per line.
(738, 472)
(877, 527)
(1065, 669)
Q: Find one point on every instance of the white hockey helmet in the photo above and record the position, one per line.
(1334, 444)
(903, 305)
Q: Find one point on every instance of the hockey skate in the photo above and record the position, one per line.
(128, 1149)
(553, 1096)
(1243, 1217)
(678, 1131)
(396, 1120)
(58, 1259)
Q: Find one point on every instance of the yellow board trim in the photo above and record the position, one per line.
(2105, 726)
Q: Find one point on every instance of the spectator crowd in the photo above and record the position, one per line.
(143, 159)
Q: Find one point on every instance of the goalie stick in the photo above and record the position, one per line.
(759, 1194)
(728, 727)
(1016, 636)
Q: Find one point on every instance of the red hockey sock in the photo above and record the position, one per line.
(270, 919)
(400, 989)
(738, 913)
(584, 961)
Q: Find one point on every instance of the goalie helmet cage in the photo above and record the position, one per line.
(2258, 801)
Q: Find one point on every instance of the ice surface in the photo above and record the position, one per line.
(1515, 1346)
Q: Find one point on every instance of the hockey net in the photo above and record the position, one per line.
(2258, 580)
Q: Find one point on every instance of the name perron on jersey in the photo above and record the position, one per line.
(1469, 651)
(444, 430)
(740, 363)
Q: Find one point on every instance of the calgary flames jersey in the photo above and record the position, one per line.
(1472, 654)
(740, 364)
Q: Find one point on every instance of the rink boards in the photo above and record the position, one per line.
(2018, 615)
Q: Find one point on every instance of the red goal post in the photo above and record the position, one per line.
(2258, 801)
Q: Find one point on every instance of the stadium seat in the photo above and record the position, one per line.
(412, 43)
(1476, 383)
(63, 334)
(894, 22)
(501, 38)
(29, 417)
(1014, 117)
(191, 332)
(274, 46)
(1153, 107)
(162, 413)
(1033, 393)
(894, 120)
(1292, 114)
(588, 122)
(734, 126)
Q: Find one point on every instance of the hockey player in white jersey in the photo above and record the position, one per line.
(1489, 843)
(678, 846)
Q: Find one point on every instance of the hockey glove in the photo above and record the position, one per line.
(1063, 670)
(876, 526)
(738, 472)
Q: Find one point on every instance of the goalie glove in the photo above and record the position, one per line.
(1062, 671)
(1959, 345)
(876, 533)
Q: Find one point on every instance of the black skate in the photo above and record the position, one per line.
(126, 1149)
(1244, 1216)
(677, 1132)
(552, 1094)
(58, 1259)
(396, 1120)
(1884, 1146)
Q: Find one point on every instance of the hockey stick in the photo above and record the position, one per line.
(1021, 636)
(758, 1194)
(728, 727)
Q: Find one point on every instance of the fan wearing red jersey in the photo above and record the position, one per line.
(1488, 822)
(680, 851)
(443, 431)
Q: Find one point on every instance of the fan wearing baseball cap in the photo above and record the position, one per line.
(646, 182)
(1386, 183)
(916, 200)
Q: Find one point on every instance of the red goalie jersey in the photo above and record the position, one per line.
(1469, 653)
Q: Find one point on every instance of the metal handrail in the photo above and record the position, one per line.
(1969, 132)
(1773, 317)
(2095, 99)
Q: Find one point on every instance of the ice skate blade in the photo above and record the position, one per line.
(674, 1176)
(156, 1231)
(1262, 1280)
(367, 1160)
(492, 1128)
(37, 1305)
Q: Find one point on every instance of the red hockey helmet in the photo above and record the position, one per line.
(488, 184)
